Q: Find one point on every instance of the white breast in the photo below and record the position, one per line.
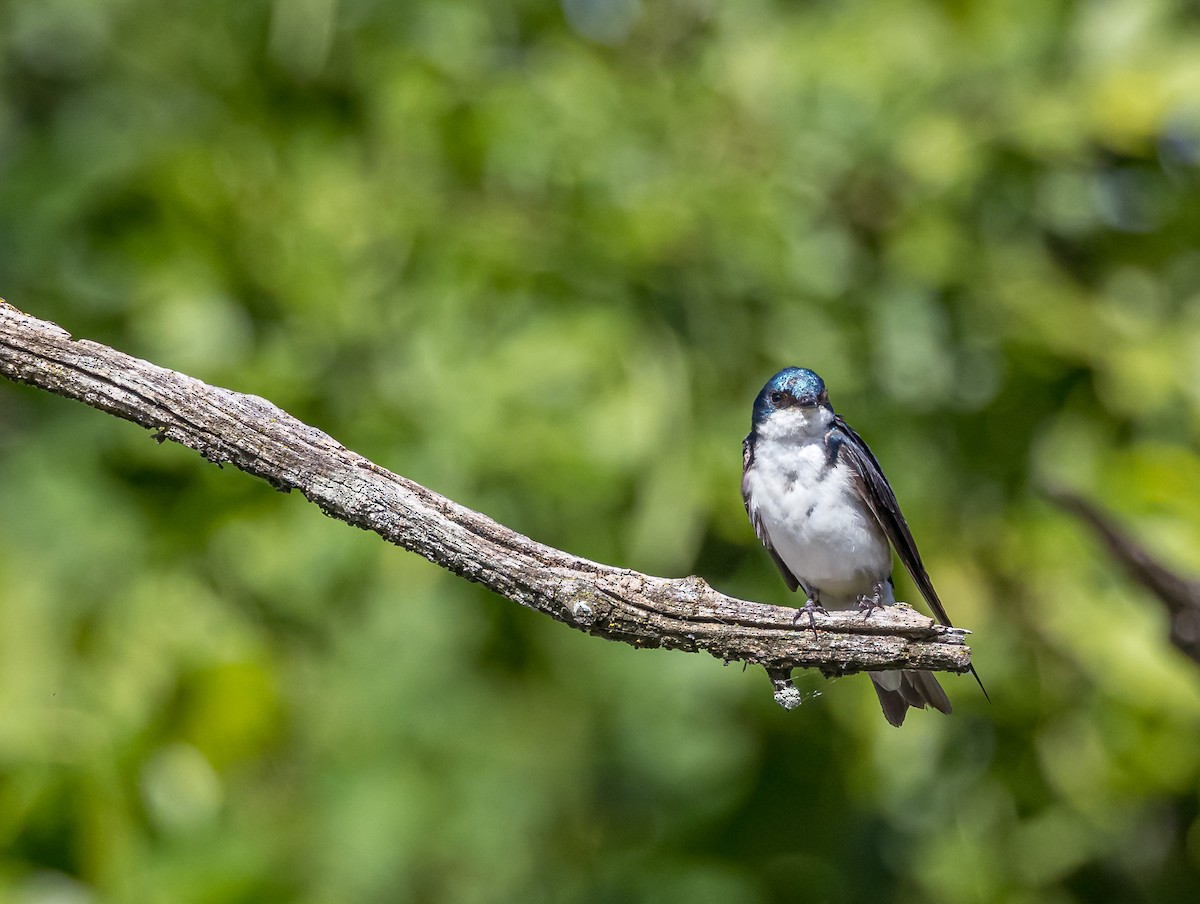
(817, 522)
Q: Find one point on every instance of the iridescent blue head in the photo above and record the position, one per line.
(792, 387)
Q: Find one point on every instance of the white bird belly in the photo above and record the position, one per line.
(818, 524)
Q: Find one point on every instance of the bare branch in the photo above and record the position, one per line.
(254, 435)
(1180, 595)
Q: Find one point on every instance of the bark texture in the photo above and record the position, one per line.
(259, 438)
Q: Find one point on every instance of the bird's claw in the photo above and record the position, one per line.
(811, 606)
(869, 602)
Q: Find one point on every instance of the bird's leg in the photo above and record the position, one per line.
(869, 602)
(811, 606)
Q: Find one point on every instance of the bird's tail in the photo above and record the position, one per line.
(898, 690)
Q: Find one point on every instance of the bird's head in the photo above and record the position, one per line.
(793, 401)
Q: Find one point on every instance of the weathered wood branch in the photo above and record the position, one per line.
(254, 435)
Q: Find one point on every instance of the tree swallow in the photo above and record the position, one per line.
(819, 502)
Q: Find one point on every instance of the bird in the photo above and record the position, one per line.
(820, 503)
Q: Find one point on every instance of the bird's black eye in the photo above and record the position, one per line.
(776, 397)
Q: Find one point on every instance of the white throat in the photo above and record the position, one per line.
(796, 424)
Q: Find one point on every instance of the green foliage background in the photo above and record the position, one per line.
(540, 258)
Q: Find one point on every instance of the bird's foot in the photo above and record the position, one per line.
(811, 606)
(869, 602)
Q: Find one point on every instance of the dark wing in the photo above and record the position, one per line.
(877, 492)
(760, 529)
